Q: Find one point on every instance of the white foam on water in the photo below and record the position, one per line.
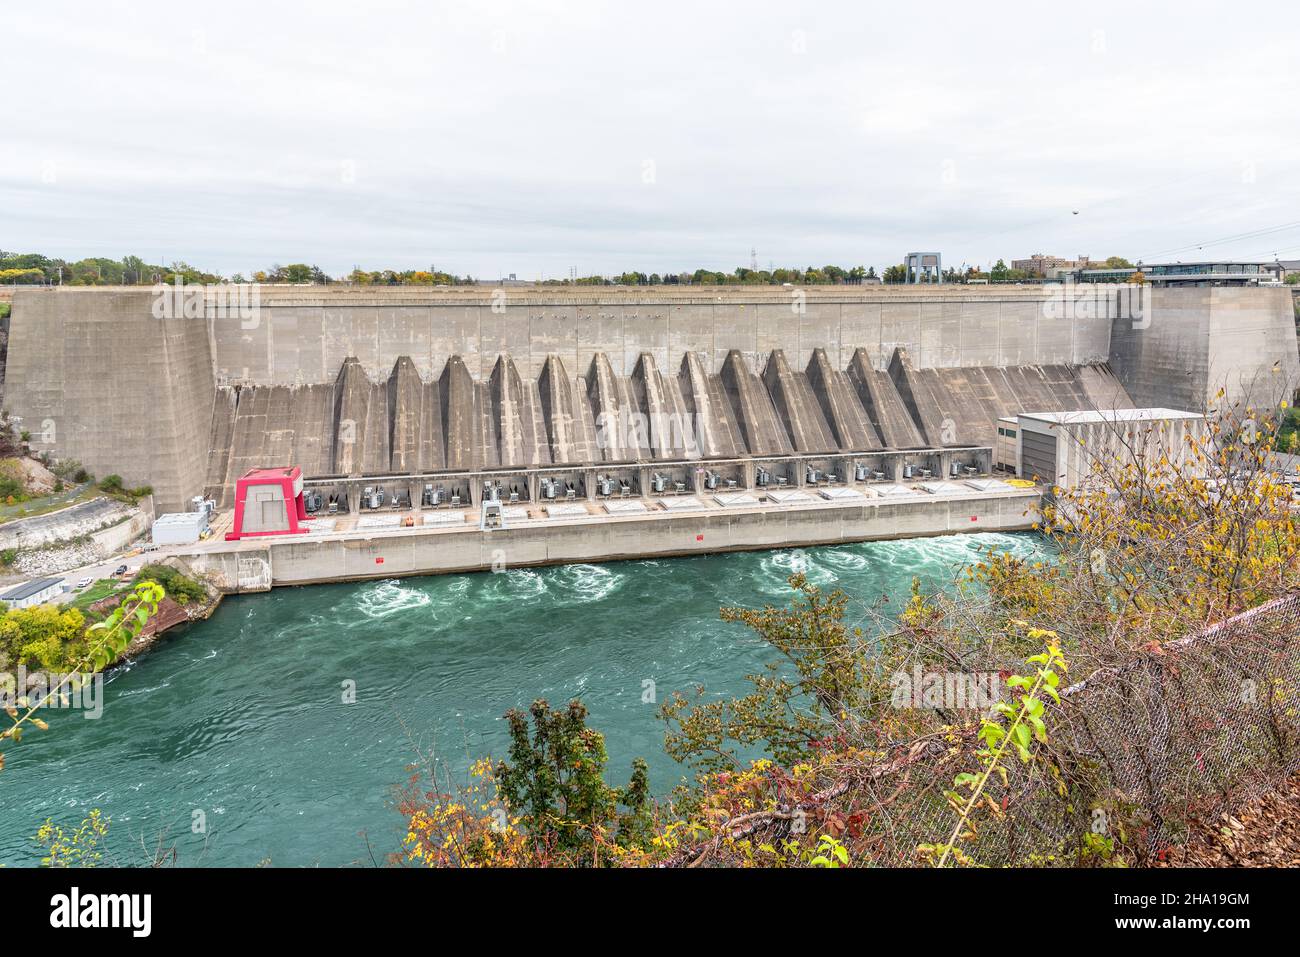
(590, 582)
(778, 566)
(516, 584)
(390, 598)
(844, 559)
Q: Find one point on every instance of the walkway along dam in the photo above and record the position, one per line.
(609, 422)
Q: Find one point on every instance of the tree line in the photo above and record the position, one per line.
(37, 269)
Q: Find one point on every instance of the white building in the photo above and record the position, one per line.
(38, 592)
(1060, 448)
(179, 528)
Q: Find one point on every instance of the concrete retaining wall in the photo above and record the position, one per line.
(399, 553)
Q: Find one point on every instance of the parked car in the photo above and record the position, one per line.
(121, 570)
(83, 583)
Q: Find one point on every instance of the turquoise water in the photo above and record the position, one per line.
(242, 717)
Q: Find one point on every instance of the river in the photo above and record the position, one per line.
(240, 722)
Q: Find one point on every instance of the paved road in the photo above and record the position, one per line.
(16, 510)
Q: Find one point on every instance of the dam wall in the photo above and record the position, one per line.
(304, 336)
(93, 376)
(403, 424)
(349, 381)
(1203, 339)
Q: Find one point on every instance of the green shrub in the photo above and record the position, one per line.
(12, 487)
(180, 588)
(112, 485)
(46, 636)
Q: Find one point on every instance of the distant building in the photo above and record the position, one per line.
(923, 267)
(1049, 267)
(1189, 274)
(1100, 275)
(38, 592)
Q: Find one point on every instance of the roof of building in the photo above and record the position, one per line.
(270, 475)
(1092, 416)
(180, 518)
(28, 589)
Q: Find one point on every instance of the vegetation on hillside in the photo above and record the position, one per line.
(179, 587)
(113, 487)
(54, 641)
(1165, 536)
(44, 637)
(37, 269)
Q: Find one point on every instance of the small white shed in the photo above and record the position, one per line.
(179, 528)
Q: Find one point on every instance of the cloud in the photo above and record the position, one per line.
(531, 137)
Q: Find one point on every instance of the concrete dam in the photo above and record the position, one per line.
(607, 393)
(403, 424)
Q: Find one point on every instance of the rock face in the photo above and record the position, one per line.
(52, 561)
(35, 477)
(66, 525)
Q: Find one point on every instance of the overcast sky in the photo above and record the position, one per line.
(530, 137)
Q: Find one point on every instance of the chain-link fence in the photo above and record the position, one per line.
(1135, 756)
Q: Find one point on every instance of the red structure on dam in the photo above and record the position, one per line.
(268, 502)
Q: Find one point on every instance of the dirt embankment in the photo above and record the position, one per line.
(170, 615)
(1264, 832)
